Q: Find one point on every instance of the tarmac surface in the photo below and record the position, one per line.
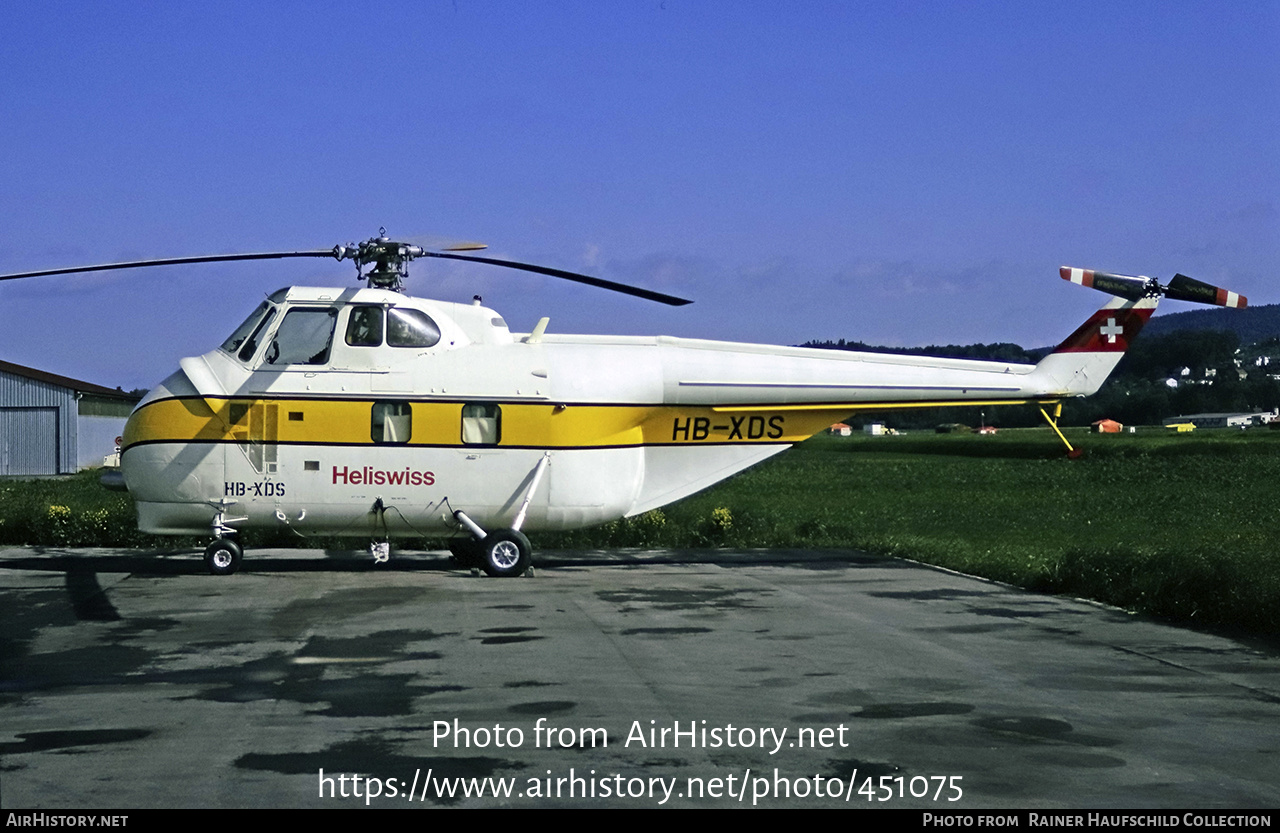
(782, 678)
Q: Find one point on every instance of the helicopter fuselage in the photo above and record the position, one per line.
(365, 411)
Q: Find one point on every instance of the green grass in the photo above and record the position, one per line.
(68, 511)
(1180, 526)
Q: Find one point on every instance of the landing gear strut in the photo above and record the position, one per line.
(1072, 452)
(222, 557)
(503, 553)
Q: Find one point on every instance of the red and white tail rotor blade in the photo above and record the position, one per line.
(1125, 286)
(1182, 288)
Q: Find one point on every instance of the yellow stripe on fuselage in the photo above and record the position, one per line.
(528, 425)
(523, 424)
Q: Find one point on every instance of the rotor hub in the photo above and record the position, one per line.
(388, 258)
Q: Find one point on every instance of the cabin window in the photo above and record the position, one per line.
(392, 422)
(481, 424)
(244, 341)
(364, 327)
(304, 337)
(411, 328)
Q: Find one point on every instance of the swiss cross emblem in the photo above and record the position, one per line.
(1111, 330)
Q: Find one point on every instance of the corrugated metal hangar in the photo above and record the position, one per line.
(52, 424)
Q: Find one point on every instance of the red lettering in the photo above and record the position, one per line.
(369, 476)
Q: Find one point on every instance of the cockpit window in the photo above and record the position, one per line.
(304, 337)
(250, 345)
(241, 336)
(364, 327)
(411, 328)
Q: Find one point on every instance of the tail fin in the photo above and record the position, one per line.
(1080, 364)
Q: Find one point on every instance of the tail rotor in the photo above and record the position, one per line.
(1136, 287)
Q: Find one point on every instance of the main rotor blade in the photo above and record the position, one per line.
(172, 261)
(1182, 288)
(647, 294)
(435, 243)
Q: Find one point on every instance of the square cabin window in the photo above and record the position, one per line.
(392, 422)
(481, 424)
(411, 328)
(364, 327)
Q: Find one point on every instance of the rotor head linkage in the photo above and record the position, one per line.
(390, 260)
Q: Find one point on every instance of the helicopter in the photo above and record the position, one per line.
(363, 411)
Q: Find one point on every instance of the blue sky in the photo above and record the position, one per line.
(904, 174)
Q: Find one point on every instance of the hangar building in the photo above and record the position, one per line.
(52, 424)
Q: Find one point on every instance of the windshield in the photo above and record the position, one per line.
(240, 344)
(232, 345)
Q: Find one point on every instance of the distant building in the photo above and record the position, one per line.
(51, 424)
(874, 429)
(1107, 426)
(841, 430)
(1222, 420)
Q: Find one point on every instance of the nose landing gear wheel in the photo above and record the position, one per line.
(505, 553)
(222, 557)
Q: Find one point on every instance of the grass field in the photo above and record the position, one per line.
(1181, 526)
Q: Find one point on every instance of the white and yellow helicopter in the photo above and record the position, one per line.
(363, 411)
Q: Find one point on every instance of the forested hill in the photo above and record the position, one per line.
(1251, 323)
(996, 352)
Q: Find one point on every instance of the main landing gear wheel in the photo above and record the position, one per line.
(505, 553)
(223, 557)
